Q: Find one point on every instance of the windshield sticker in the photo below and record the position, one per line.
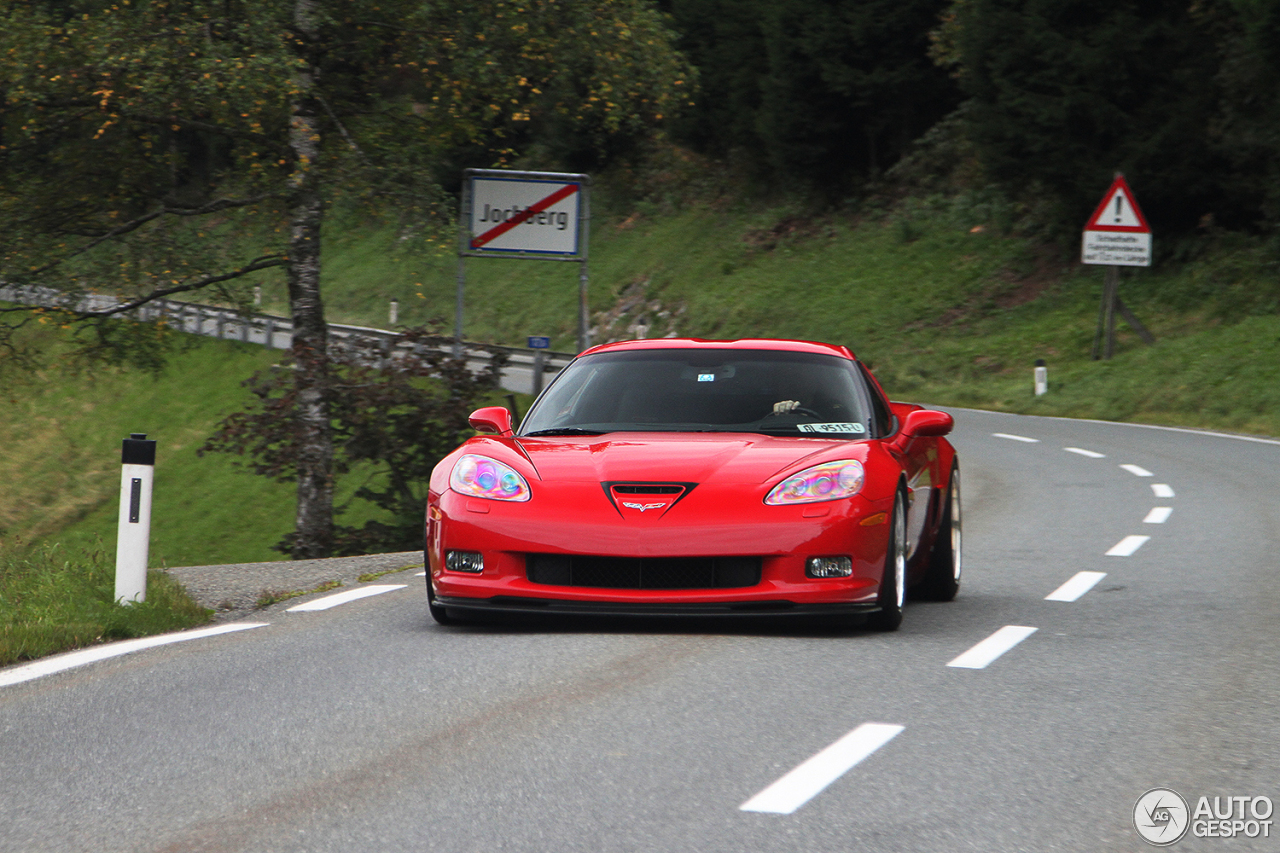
(846, 427)
(706, 377)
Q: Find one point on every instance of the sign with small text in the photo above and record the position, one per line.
(510, 215)
(1117, 233)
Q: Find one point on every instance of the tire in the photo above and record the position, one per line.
(941, 580)
(438, 613)
(893, 583)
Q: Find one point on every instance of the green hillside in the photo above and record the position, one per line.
(61, 464)
(946, 310)
(929, 292)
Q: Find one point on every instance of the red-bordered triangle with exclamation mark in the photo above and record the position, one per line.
(1119, 211)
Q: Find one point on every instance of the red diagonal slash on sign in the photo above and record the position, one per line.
(523, 216)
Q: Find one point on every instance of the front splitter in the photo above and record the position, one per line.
(747, 609)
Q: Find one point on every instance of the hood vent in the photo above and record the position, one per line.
(651, 499)
(646, 489)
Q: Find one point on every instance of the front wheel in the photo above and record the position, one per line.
(941, 581)
(893, 585)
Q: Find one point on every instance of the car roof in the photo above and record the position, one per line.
(741, 344)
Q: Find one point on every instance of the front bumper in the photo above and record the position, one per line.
(704, 525)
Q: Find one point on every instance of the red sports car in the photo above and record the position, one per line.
(692, 477)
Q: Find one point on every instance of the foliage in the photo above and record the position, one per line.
(1180, 97)
(826, 94)
(139, 139)
(398, 409)
(52, 602)
(956, 316)
(161, 147)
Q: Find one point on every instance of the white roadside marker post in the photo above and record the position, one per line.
(133, 539)
(1041, 377)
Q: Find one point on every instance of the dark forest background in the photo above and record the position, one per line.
(1050, 96)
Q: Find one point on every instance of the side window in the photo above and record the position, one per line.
(881, 417)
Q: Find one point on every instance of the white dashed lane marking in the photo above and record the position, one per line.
(1092, 454)
(70, 660)
(1076, 587)
(813, 776)
(1158, 515)
(1137, 470)
(1022, 438)
(1127, 546)
(1162, 490)
(344, 597)
(981, 655)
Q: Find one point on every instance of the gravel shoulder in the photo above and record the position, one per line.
(232, 591)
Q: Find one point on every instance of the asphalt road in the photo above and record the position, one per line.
(366, 727)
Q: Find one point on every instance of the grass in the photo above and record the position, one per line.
(373, 576)
(268, 597)
(51, 601)
(946, 307)
(62, 435)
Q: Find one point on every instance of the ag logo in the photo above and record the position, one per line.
(1161, 817)
(642, 507)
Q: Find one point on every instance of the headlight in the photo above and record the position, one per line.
(826, 482)
(482, 477)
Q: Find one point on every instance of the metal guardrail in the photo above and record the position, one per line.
(263, 329)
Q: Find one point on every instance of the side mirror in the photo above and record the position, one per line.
(925, 422)
(494, 420)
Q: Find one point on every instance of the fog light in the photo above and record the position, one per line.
(464, 561)
(829, 567)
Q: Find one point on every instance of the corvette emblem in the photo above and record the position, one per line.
(642, 507)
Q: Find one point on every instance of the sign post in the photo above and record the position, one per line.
(1116, 235)
(539, 344)
(528, 216)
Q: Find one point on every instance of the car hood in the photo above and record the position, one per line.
(678, 458)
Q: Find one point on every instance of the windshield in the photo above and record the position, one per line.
(686, 390)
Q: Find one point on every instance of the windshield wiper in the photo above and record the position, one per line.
(564, 431)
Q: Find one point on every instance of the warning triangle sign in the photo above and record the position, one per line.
(1119, 211)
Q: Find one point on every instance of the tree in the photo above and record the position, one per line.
(397, 409)
(168, 146)
(1065, 92)
(1248, 129)
(827, 93)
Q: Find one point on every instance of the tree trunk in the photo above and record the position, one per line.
(313, 529)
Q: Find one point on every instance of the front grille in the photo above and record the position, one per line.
(643, 572)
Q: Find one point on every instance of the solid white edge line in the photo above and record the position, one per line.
(1253, 438)
(1092, 454)
(71, 660)
(1137, 470)
(1012, 437)
(1158, 515)
(813, 776)
(981, 655)
(1210, 433)
(1162, 490)
(344, 597)
(1128, 546)
(1076, 587)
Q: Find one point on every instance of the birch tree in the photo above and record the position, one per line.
(150, 148)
